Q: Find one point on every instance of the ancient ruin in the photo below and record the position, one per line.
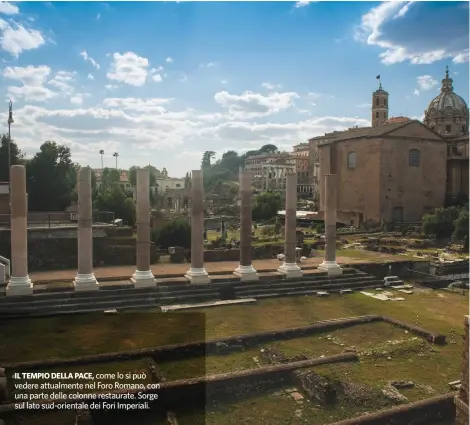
(19, 283)
(197, 273)
(329, 264)
(85, 279)
(245, 270)
(143, 276)
(290, 268)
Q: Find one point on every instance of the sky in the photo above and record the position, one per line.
(162, 82)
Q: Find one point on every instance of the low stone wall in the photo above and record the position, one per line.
(402, 269)
(424, 412)
(56, 248)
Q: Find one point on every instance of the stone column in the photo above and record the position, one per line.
(19, 283)
(197, 273)
(461, 400)
(85, 279)
(245, 270)
(331, 195)
(143, 276)
(290, 268)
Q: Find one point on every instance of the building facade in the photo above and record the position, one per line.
(389, 173)
(397, 169)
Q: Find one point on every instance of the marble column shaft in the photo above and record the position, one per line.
(291, 218)
(19, 222)
(85, 222)
(20, 283)
(143, 220)
(330, 216)
(245, 220)
(197, 220)
(85, 279)
(197, 273)
(143, 276)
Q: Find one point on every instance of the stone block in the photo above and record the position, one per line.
(317, 387)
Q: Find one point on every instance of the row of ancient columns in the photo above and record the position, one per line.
(20, 283)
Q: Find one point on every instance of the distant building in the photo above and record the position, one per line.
(168, 183)
(397, 169)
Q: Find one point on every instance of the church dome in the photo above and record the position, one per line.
(447, 102)
(447, 114)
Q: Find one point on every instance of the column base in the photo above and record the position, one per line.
(331, 267)
(290, 270)
(85, 282)
(197, 276)
(143, 279)
(246, 273)
(19, 286)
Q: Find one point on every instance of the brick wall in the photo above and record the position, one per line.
(462, 400)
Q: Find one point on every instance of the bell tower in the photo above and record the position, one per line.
(379, 105)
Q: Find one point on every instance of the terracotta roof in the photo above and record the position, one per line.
(365, 132)
(393, 120)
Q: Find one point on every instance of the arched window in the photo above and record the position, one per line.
(413, 158)
(376, 115)
(448, 128)
(377, 101)
(352, 160)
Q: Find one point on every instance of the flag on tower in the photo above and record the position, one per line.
(378, 77)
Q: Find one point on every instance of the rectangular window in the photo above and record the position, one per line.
(448, 128)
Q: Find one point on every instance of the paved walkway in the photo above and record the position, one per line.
(168, 269)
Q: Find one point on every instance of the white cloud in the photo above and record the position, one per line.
(111, 86)
(303, 3)
(426, 82)
(8, 8)
(416, 92)
(461, 57)
(28, 75)
(129, 68)
(224, 82)
(407, 31)
(62, 81)
(270, 86)
(169, 60)
(157, 78)
(208, 65)
(88, 58)
(249, 104)
(90, 77)
(157, 70)
(15, 38)
(32, 79)
(78, 98)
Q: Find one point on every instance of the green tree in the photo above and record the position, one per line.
(173, 233)
(231, 161)
(114, 199)
(268, 149)
(461, 228)
(132, 175)
(266, 205)
(440, 224)
(51, 178)
(15, 153)
(206, 159)
(109, 176)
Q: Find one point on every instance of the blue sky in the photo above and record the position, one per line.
(163, 82)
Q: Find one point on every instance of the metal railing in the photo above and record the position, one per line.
(58, 219)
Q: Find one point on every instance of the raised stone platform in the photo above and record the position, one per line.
(122, 295)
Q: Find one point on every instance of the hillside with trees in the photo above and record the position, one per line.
(226, 169)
